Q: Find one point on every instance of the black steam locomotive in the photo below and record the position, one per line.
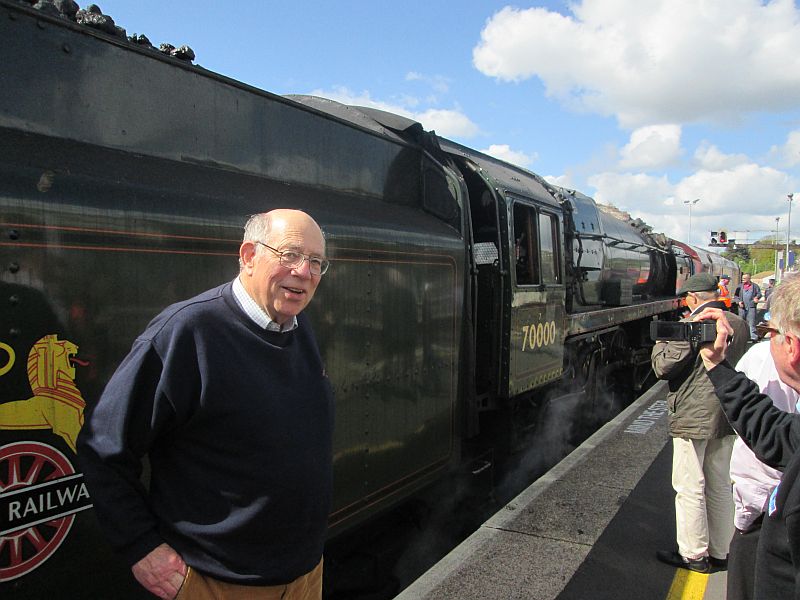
(464, 293)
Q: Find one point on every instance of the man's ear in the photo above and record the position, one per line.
(793, 351)
(247, 255)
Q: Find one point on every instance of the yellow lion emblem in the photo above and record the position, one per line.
(56, 403)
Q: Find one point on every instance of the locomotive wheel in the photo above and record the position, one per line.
(611, 392)
(22, 465)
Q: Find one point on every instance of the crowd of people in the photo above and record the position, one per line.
(737, 506)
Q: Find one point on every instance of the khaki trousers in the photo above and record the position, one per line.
(703, 500)
(197, 586)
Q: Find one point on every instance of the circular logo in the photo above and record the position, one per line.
(27, 470)
(10, 360)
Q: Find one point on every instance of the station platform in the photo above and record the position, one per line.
(586, 530)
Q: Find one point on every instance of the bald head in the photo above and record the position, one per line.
(260, 227)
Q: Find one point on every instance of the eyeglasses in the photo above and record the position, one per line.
(763, 329)
(292, 259)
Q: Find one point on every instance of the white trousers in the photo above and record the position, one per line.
(703, 501)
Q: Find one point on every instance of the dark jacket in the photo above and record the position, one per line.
(694, 410)
(774, 437)
(748, 297)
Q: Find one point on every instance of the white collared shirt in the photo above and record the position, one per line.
(256, 313)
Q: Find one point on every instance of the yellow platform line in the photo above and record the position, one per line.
(688, 585)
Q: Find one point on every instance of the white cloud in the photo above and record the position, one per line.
(565, 181)
(439, 83)
(652, 147)
(408, 101)
(744, 191)
(711, 158)
(661, 61)
(347, 96)
(504, 152)
(446, 122)
(449, 123)
(743, 197)
(789, 154)
(634, 192)
(792, 149)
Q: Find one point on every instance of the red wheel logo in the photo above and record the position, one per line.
(39, 496)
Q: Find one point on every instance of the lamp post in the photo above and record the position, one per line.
(777, 267)
(690, 203)
(788, 233)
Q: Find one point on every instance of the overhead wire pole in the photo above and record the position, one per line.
(777, 245)
(690, 203)
(788, 233)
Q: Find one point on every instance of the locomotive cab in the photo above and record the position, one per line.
(518, 279)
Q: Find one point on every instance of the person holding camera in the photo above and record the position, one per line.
(772, 434)
(702, 440)
(753, 481)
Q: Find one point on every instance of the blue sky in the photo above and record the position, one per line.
(643, 104)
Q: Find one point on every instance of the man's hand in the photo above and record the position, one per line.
(161, 572)
(713, 354)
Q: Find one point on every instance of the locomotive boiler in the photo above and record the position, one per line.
(464, 294)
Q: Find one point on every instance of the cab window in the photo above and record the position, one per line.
(526, 245)
(536, 246)
(548, 241)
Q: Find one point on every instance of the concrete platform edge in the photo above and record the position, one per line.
(501, 522)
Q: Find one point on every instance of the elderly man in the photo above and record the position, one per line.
(227, 395)
(753, 481)
(701, 441)
(773, 435)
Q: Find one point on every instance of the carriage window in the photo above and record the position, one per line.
(526, 245)
(548, 237)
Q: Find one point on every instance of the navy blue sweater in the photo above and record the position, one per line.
(237, 423)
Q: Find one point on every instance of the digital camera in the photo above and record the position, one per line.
(674, 331)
